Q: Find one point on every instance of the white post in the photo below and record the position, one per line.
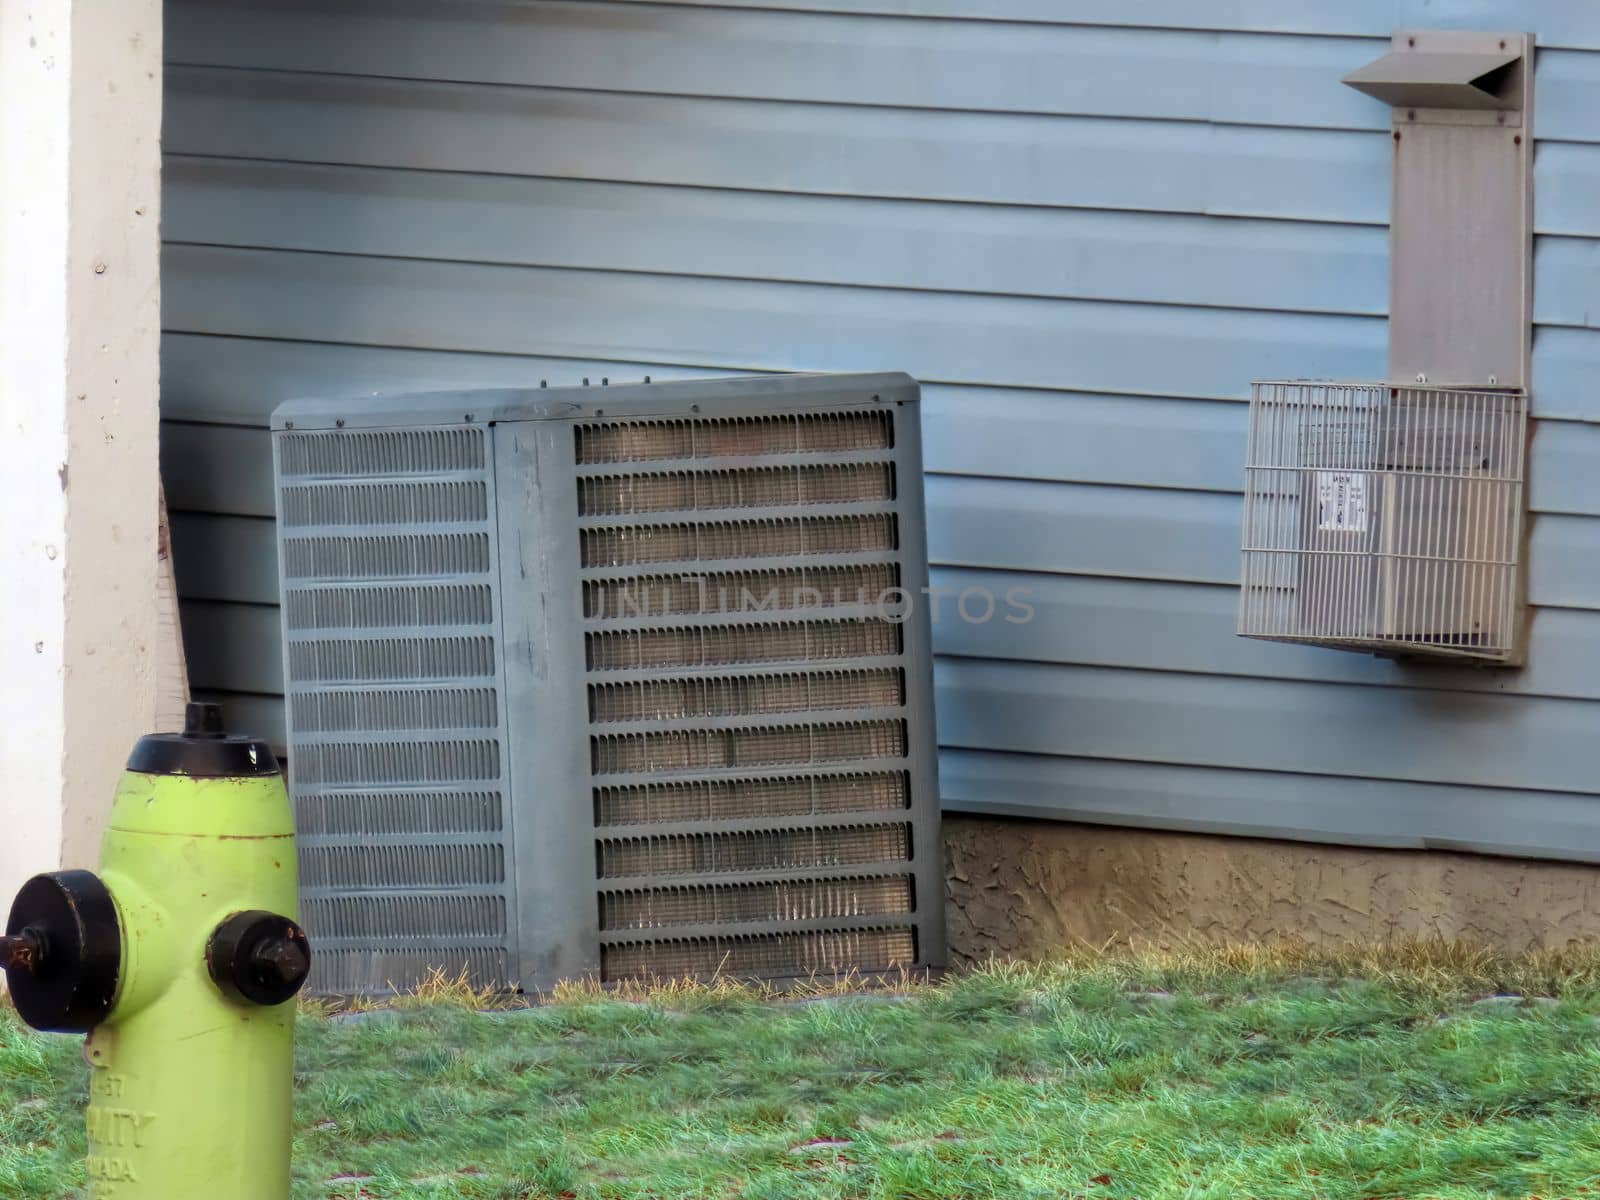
(80, 162)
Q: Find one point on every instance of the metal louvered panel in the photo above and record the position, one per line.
(397, 452)
(397, 742)
(782, 537)
(391, 660)
(441, 503)
(380, 608)
(359, 763)
(716, 592)
(708, 695)
(754, 850)
(395, 708)
(731, 799)
(721, 645)
(760, 487)
(454, 864)
(347, 966)
(759, 746)
(621, 681)
(385, 556)
(745, 695)
(375, 813)
(400, 918)
(779, 955)
(741, 903)
(650, 440)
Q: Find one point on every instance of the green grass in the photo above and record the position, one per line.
(1266, 1073)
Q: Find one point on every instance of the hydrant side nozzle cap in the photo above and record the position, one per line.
(204, 749)
(67, 983)
(258, 957)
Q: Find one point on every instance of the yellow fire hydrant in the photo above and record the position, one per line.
(178, 960)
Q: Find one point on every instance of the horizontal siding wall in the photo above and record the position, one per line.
(1085, 226)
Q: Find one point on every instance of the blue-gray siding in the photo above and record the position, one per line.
(1084, 224)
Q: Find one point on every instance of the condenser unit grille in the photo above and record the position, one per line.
(783, 537)
(445, 502)
(742, 903)
(720, 645)
(386, 556)
(717, 592)
(397, 746)
(363, 962)
(754, 850)
(611, 682)
(1385, 517)
(762, 487)
(394, 709)
(392, 660)
(782, 745)
(399, 919)
(346, 817)
(745, 695)
(711, 735)
(821, 952)
(790, 433)
(363, 607)
(736, 799)
(447, 864)
(397, 452)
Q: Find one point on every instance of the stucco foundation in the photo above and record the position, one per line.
(1019, 889)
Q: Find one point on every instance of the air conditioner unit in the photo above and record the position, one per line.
(1384, 518)
(611, 682)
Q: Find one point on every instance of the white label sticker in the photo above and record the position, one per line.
(1342, 501)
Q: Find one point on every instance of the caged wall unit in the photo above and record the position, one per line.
(1384, 518)
(1387, 515)
(611, 682)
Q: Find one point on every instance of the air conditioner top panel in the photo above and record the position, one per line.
(714, 397)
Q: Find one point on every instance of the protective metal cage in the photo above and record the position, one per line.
(1385, 517)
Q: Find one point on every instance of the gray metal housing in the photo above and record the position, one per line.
(1461, 205)
(497, 769)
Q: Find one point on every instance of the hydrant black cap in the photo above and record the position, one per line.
(258, 957)
(69, 984)
(204, 749)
